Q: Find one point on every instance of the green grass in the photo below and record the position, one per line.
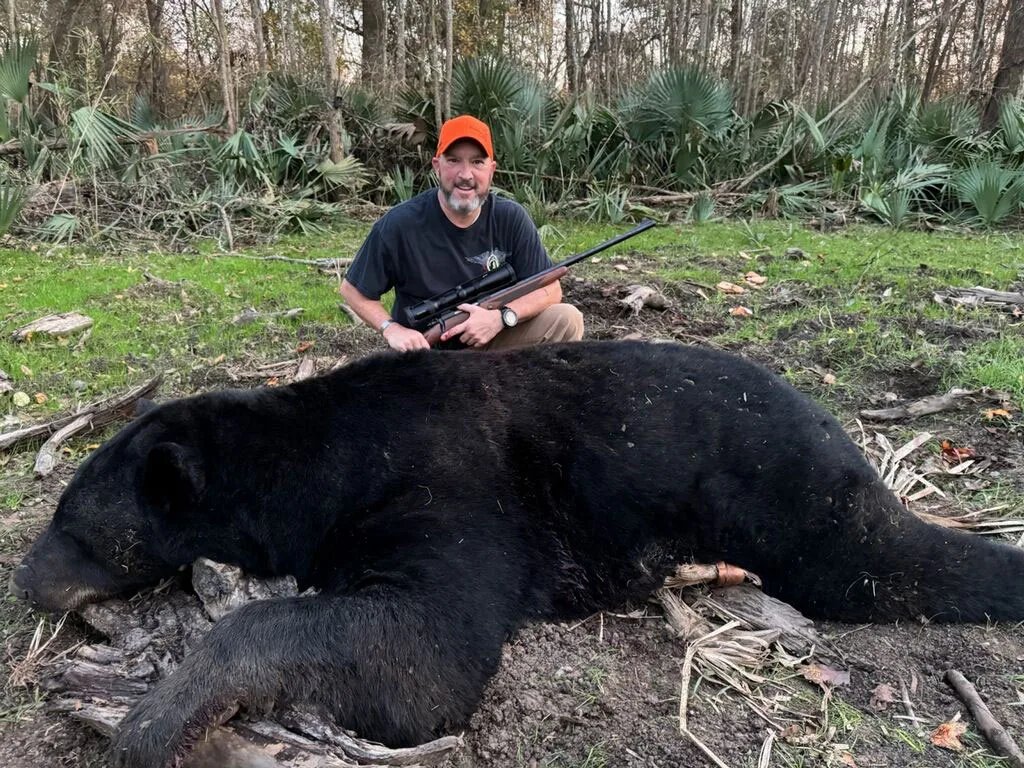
(138, 330)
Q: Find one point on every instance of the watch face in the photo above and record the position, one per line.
(509, 317)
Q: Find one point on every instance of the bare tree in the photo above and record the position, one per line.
(158, 43)
(374, 43)
(256, 9)
(572, 68)
(449, 54)
(1011, 63)
(335, 124)
(400, 53)
(227, 81)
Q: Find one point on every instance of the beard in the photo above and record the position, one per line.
(462, 205)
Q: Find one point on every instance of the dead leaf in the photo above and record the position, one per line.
(997, 413)
(303, 346)
(822, 675)
(953, 455)
(755, 279)
(27, 371)
(948, 735)
(41, 397)
(217, 360)
(273, 381)
(622, 268)
(741, 312)
(882, 697)
(829, 379)
(274, 749)
(726, 287)
(846, 758)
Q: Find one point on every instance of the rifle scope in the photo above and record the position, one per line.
(466, 293)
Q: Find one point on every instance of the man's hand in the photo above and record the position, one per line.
(479, 328)
(404, 339)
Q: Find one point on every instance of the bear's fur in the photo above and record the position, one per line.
(438, 501)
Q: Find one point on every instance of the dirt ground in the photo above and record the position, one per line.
(606, 691)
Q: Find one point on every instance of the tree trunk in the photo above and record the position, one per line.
(157, 62)
(977, 76)
(288, 35)
(707, 26)
(736, 41)
(335, 125)
(449, 53)
(910, 77)
(400, 53)
(257, 31)
(227, 84)
(434, 63)
(1011, 64)
(571, 63)
(374, 44)
(12, 22)
(937, 59)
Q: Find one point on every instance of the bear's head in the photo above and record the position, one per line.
(120, 525)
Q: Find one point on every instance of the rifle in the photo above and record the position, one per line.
(495, 289)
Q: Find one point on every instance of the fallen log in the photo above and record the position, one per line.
(100, 414)
(62, 324)
(922, 407)
(151, 634)
(978, 297)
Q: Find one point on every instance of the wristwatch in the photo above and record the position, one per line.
(384, 325)
(508, 316)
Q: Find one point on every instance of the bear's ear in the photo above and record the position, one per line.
(173, 479)
(143, 406)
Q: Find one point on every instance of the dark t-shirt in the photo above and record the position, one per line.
(416, 250)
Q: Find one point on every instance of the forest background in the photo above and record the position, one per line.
(169, 120)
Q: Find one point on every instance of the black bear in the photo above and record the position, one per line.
(439, 500)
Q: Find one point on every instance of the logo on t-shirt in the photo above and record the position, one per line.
(489, 260)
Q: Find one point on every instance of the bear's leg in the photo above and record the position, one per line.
(394, 665)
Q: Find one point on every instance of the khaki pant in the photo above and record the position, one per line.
(559, 322)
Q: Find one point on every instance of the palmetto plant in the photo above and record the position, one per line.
(993, 190)
(894, 199)
(679, 111)
(12, 199)
(16, 64)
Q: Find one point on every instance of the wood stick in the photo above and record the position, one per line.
(922, 407)
(101, 413)
(310, 262)
(997, 736)
(46, 459)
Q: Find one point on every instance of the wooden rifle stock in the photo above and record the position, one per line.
(497, 300)
(528, 285)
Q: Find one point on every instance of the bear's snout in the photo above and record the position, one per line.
(19, 581)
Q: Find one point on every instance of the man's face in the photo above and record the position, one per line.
(465, 174)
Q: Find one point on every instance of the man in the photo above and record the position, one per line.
(443, 237)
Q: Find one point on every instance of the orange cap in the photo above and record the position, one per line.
(464, 127)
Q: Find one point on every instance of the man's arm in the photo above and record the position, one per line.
(482, 325)
(372, 312)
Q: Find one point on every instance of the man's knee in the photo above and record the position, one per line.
(566, 323)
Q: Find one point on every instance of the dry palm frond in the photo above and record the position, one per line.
(25, 671)
(910, 484)
(906, 480)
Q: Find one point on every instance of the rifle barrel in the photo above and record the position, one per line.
(643, 226)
